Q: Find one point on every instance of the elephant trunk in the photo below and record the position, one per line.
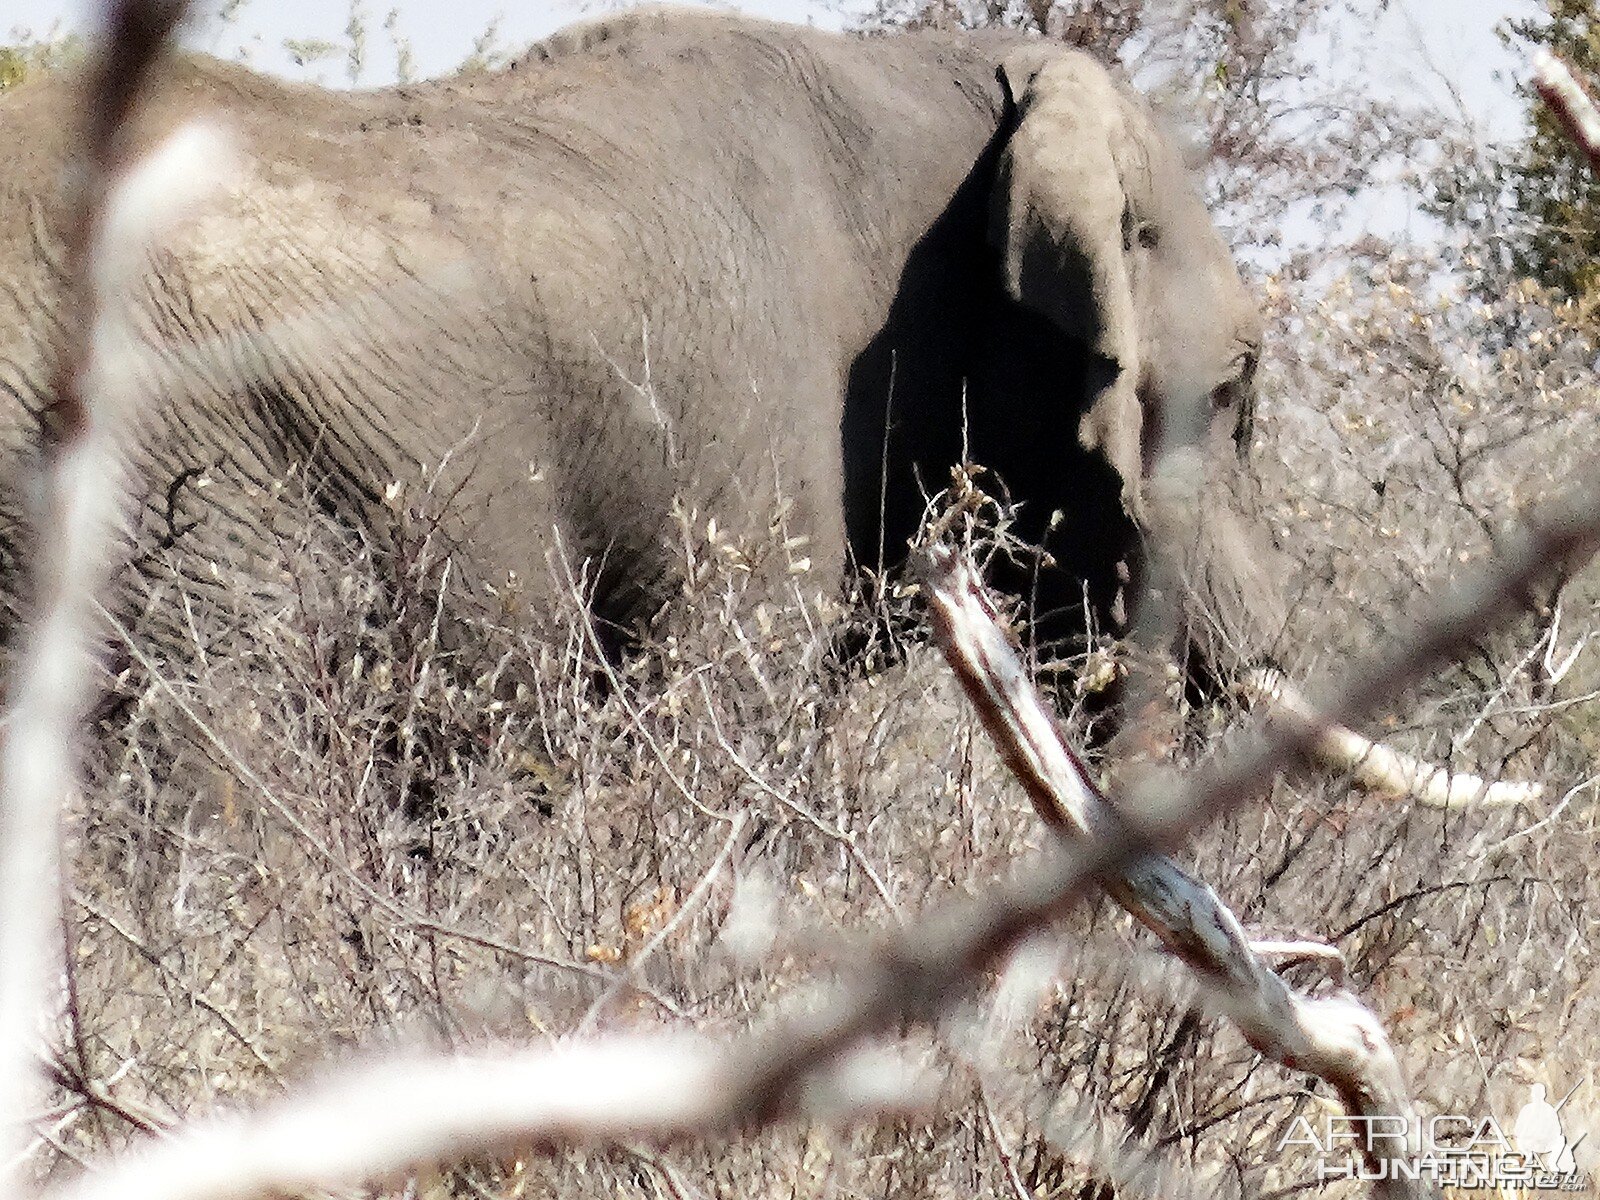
(1214, 578)
(1208, 603)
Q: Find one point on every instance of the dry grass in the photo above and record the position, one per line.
(365, 823)
(353, 811)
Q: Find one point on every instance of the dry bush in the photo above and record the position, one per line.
(373, 821)
(362, 825)
(361, 812)
(1402, 440)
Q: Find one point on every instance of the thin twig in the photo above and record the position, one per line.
(691, 903)
(194, 995)
(1002, 1147)
(834, 833)
(394, 909)
(674, 1184)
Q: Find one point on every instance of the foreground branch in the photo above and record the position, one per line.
(113, 221)
(1336, 1037)
(1570, 103)
(376, 1120)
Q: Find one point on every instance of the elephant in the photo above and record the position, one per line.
(678, 257)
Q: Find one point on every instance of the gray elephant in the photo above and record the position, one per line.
(752, 267)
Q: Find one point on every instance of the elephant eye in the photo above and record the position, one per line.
(1237, 386)
(1245, 364)
(1136, 232)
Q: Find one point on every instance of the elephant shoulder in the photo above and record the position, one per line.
(36, 123)
(649, 25)
(39, 119)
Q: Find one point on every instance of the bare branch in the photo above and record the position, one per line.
(115, 220)
(132, 42)
(373, 1120)
(1564, 536)
(1570, 103)
(1336, 1037)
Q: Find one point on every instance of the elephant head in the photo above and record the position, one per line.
(1103, 244)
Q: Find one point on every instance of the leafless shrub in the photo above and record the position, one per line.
(379, 820)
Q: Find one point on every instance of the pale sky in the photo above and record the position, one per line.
(441, 32)
(1439, 45)
(1432, 42)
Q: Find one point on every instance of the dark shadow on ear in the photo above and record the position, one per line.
(902, 422)
(1028, 391)
(956, 351)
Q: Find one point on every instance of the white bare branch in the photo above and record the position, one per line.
(1336, 1037)
(1570, 103)
(80, 500)
(375, 1120)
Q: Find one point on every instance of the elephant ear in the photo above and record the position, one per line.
(1068, 234)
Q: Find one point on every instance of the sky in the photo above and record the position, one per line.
(1440, 46)
(441, 32)
(1435, 45)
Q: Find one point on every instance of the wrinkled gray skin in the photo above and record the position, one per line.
(764, 224)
